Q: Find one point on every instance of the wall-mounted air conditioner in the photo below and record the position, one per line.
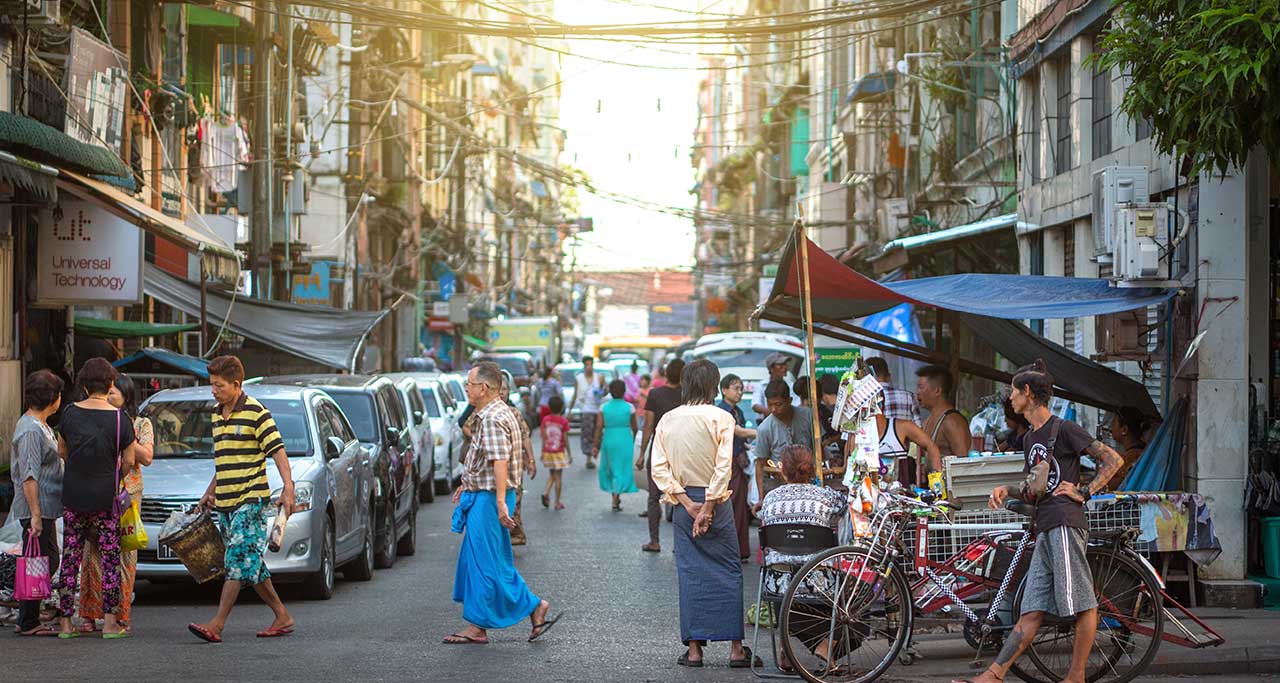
(1141, 244)
(1111, 186)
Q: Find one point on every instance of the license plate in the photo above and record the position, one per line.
(164, 552)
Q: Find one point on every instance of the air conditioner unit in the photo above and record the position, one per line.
(891, 217)
(1141, 240)
(1118, 335)
(1113, 185)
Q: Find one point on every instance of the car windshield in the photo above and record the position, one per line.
(429, 397)
(358, 407)
(570, 375)
(517, 366)
(456, 390)
(737, 358)
(184, 429)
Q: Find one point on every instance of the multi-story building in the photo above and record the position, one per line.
(1074, 147)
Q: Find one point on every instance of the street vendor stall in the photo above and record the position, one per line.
(818, 294)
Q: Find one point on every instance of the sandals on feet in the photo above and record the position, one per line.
(747, 662)
(691, 663)
(461, 639)
(539, 629)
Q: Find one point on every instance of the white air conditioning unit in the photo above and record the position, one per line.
(1111, 186)
(1141, 240)
(891, 217)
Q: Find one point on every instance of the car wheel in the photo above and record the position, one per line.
(361, 568)
(409, 544)
(427, 492)
(385, 557)
(319, 586)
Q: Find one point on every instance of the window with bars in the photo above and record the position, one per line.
(1142, 129)
(1035, 247)
(1070, 326)
(1062, 148)
(1101, 109)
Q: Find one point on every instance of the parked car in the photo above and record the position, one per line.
(334, 483)
(373, 407)
(457, 387)
(442, 412)
(519, 366)
(568, 376)
(421, 432)
(744, 354)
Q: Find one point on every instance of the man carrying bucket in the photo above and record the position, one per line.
(244, 435)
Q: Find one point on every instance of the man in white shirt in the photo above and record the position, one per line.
(778, 364)
(588, 392)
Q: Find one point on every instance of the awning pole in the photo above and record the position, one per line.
(802, 243)
(204, 309)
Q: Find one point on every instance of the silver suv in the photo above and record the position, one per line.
(333, 481)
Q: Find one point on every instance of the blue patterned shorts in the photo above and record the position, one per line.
(244, 531)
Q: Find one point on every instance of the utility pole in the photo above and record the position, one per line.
(355, 184)
(263, 167)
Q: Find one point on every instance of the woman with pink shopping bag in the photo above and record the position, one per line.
(37, 474)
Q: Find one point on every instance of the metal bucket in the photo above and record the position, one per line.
(199, 546)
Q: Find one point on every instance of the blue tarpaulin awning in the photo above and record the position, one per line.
(872, 84)
(153, 360)
(989, 304)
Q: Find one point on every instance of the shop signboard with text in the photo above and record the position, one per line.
(88, 255)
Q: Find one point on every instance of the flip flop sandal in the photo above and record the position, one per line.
(546, 501)
(748, 662)
(204, 634)
(68, 636)
(691, 663)
(119, 635)
(459, 639)
(275, 632)
(539, 629)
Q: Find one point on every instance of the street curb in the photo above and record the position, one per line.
(1240, 660)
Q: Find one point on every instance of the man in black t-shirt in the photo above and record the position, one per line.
(1058, 579)
(661, 401)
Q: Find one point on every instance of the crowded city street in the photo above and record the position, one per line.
(621, 618)
(830, 341)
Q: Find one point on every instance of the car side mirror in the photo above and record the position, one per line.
(417, 416)
(393, 434)
(333, 447)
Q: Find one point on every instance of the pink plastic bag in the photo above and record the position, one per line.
(32, 581)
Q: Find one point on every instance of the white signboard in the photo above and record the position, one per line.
(88, 255)
(766, 288)
(440, 309)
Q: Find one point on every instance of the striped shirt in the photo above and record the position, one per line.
(241, 444)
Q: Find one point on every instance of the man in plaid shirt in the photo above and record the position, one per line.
(899, 404)
(491, 590)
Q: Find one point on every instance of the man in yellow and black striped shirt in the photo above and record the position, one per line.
(244, 436)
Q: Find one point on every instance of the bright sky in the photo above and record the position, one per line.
(630, 129)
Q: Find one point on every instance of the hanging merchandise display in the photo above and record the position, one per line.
(223, 148)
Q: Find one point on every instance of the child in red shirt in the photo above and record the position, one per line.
(555, 449)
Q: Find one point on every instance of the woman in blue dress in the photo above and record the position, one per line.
(615, 442)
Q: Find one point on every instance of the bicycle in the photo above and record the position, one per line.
(853, 609)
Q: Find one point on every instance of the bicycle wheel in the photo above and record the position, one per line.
(842, 622)
(1130, 624)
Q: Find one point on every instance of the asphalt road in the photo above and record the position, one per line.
(620, 616)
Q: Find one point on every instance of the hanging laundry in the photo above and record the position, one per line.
(222, 149)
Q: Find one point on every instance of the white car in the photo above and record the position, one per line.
(442, 412)
(421, 433)
(744, 353)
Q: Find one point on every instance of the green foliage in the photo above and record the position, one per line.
(1206, 74)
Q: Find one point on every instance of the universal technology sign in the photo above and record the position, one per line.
(88, 255)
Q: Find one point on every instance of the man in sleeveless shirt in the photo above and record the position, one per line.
(945, 425)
